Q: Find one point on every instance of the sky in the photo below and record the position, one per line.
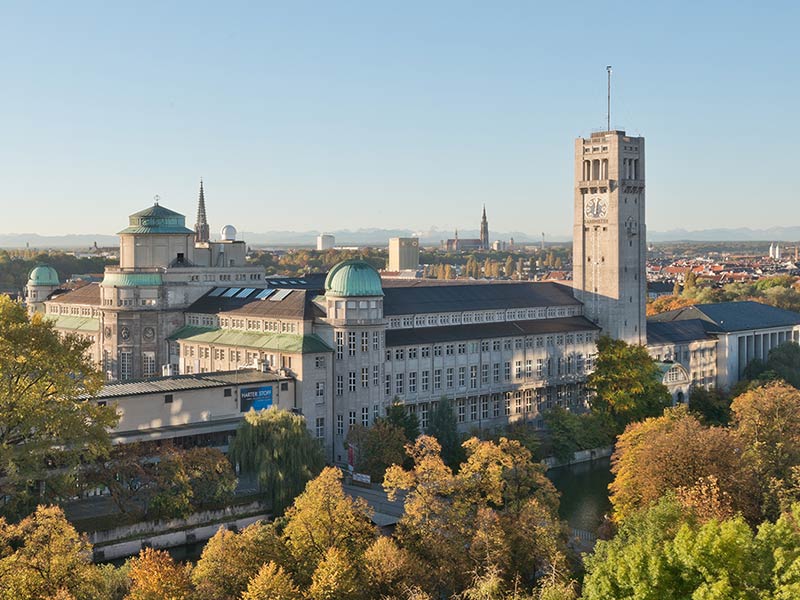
(331, 115)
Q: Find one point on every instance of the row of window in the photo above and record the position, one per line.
(487, 345)
(353, 379)
(487, 316)
(573, 364)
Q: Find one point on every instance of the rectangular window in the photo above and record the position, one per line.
(518, 369)
(365, 341)
(473, 409)
(462, 376)
(473, 376)
(148, 364)
(484, 407)
(351, 381)
(437, 379)
(423, 415)
(376, 340)
(496, 345)
(340, 425)
(507, 371)
(424, 380)
(352, 418)
(398, 383)
(412, 353)
(376, 412)
(496, 372)
(425, 352)
(319, 362)
(450, 377)
(449, 349)
(437, 350)
(339, 385)
(496, 408)
(320, 389)
(462, 348)
(167, 398)
(365, 416)
(529, 368)
(320, 427)
(508, 406)
(387, 385)
(412, 382)
(351, 343)
(398, 354)
(462, 411)
(125, 366)
(364, 377)
(485, 346)
(339, 345)
(517, 403)
(484, 374)
(539, 368)
(376, 375)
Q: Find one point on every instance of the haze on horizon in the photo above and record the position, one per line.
(311, 116)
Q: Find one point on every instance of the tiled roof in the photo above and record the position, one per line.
(416, 299)
(177, 383)
(733, 316)
(88, 294)
(677, 332)
(269, 341)
(454, 333)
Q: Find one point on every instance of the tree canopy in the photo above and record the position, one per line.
(47, 426)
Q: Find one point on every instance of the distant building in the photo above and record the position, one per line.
(403, 254)
(456, 244)
(325, 241)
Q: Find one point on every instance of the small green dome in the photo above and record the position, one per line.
(353, 278)
(43, 275)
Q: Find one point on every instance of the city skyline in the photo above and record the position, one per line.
(363, 116)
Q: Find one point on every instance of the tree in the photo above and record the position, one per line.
(128, 473)
(390, 569)
(277, 447)
(626, 382)
(230, 560)
(172, 490)
(443, 426)
(155, 576)
(272, 583)
(211, 476)
(784, 361)
(48, 426)
(711, 406)
(767, 421)
(336, 577)
(397, 415)
(377, 447)
(675, 450)
(498, 511)
(43, 555)
(324, 517)
(510, 267)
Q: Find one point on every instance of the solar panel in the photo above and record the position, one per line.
(245, 292)
(280, 295)
(294, 282)
(231, 293)
(217, 292)
(265, 293)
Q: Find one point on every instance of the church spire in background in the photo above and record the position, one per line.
(484, 231)
(201, 233)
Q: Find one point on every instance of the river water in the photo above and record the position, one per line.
(584, 492)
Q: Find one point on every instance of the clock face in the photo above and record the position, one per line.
(596, 208)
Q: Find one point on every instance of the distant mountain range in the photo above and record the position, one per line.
(380, 237)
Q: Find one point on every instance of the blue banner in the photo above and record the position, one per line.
(257, 398)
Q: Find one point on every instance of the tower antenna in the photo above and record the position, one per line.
(608, 112)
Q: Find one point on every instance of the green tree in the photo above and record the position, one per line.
(48, 428)
(712, 406)
(172, 497)
(42, 555)
(277, 447)
(784, 361)
(443, 426)
(397, 415)
(211, 476)
(324, 517)
(129, 475)
(510, 267)
(376, 448)
(626, 382)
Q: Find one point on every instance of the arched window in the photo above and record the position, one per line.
(604, 169)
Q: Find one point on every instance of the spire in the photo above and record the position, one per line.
(484, 230)
(484, 213)
(201, 232)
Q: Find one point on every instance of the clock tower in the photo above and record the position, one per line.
(609, 241)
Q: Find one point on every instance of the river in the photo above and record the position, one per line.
(584, 492)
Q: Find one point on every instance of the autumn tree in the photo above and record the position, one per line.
(128, 474)
(48, 427)
(376, 448)
(43, 555)
(324, 517)
(272, 583)
(626, 382)
(337, 577)
(712, 406)
(675, 450)
(277, 447)
(229, 560)
(390, 569)
(155, 576)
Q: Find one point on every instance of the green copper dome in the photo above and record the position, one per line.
(353, 278)
(157, 219)
(43, 275)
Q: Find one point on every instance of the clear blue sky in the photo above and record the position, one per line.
(324, 115)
